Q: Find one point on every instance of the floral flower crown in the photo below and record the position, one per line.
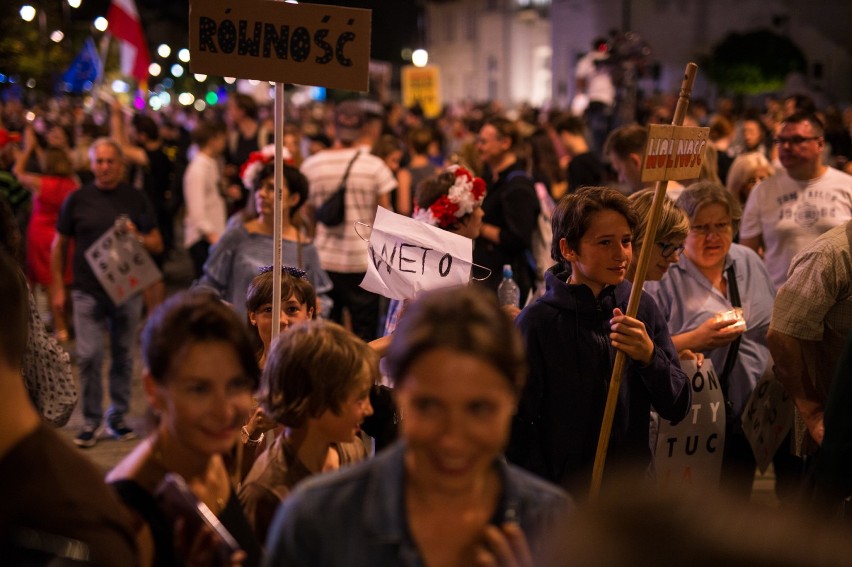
(255, 162)
(464, 195)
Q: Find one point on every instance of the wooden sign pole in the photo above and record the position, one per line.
(636, 292)
(278, 201)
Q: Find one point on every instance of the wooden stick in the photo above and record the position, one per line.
(636, 292)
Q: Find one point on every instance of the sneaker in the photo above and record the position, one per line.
(119, 430)
(87, 437)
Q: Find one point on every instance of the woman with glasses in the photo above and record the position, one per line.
(671, 233)
(697, 298)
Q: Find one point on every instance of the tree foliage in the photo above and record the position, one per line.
(754, 62)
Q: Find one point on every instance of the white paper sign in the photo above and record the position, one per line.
(689, 454)
(122, 265)
(406, 256)
(767, 418)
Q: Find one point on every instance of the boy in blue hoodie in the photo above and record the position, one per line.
(572, 334)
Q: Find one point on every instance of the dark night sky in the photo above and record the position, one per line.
(394, 21)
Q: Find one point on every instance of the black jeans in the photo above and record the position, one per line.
(363, 305)
(198, 252)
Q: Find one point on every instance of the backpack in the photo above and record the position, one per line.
(538, 254)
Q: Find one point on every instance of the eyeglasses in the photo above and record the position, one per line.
(795, 140)
(667, 249)
(719, 228)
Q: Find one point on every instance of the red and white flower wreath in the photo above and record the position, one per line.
(466, 193)
(255, 162)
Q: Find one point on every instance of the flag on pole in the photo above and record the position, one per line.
(125, 26)
(84, 69)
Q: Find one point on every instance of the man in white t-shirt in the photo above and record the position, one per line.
(342, 251)
(790, 209)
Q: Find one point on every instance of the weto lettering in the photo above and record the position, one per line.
(266, 39)
(404, 258)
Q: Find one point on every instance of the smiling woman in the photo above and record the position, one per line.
(443, 495)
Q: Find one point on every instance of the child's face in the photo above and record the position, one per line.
(292, 312)
(604, 253)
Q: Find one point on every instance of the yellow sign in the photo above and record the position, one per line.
(674, 152)
(306, 44)
(422, 85)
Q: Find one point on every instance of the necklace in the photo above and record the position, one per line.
(211, 485)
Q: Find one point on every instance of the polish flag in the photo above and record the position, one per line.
(124, 25)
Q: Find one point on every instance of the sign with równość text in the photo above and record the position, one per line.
(269, 40)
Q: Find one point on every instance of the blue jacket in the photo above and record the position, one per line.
(566, 332)
(356, 516)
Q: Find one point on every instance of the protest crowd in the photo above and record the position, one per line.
(421, 418)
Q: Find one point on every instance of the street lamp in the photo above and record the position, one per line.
(183, 55)
(74, 3)
(27, 13)
(420, 58)
(101, 24)
(164, 50)
(154, 69)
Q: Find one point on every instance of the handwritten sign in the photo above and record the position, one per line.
(674, 152)
(307, 44)
(767, 418)
(407, 256)
(421, 85)
(123, 267)
(689, 454)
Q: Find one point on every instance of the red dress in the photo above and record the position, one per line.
(42, 228)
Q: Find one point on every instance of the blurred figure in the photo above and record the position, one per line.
(746, 172)
(585, 167)
(443, 495)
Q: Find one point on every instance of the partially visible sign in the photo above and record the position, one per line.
(123, 267)
(674, 152)
(406, 256)
(306, 44)
(422, 85)
(767, 418)
(689, 454)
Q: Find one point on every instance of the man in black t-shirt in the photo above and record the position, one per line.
(85, 216)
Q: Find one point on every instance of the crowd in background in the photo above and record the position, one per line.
(764, 229)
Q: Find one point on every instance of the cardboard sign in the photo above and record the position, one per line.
(767, 418)
(122, 265)
(407, 256)
(422, 85)
(674, 152)
(689, 454)
(306, 44)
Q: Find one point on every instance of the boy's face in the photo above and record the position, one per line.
(604, 253)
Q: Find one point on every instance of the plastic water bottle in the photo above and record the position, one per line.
(508, 292)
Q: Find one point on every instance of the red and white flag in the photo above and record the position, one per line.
(124, 24)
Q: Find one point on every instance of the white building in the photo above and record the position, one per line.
(526, 50)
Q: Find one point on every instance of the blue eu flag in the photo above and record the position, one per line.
(83, 71)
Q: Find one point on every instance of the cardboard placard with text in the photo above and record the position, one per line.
(674, 152)
(767, 418)
(406, 256)
(269, 40)
(689, 453)
(422, 85)
(122, 265)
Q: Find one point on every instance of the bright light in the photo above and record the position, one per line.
(57, 36)
(119, 86)
(101, 23)
(31, 83)
(165, 98)
(183, 55)
(419, 58)
(30, 116)
(164, 50)
(229, 80)
(155, 103)
(27, 13)
(154, 69)
(253, 82)
(211, 98)
(200, 105)
(74, 3)
(200, 78)
(177, 70)
(186, 99)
